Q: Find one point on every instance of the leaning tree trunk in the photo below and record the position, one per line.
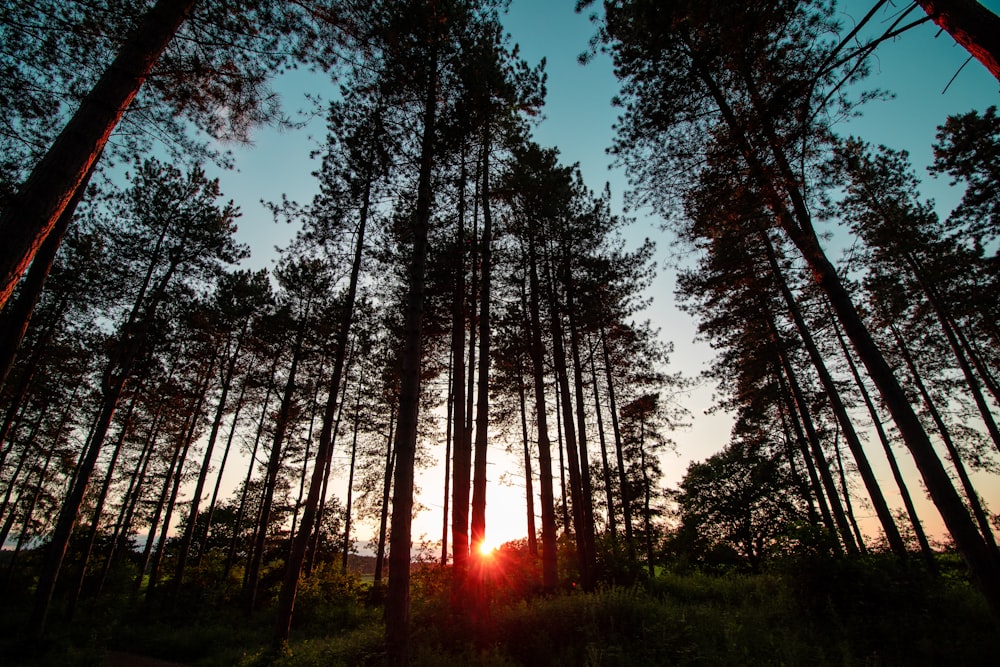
(801, 407)
(192, 519)
(839, 409)
(970, 24)
(795, 220)
(897, 475)
(15, 318)
(956, 458)
(118, 371)
(274, 466)
(57, 176)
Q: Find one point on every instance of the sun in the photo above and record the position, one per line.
(487, 548)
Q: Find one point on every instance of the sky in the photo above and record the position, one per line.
(577, 119)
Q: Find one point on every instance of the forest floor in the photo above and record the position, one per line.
(120, 659)
(870, 612)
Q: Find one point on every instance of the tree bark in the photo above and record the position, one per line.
(550, 576)
(478, 523)
(397, 610)
(970, 24)
(897, 475)
(324, 452)
(57, 176)
(15, 318)
(837, 404)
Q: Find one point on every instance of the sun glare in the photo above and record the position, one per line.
(486, 548)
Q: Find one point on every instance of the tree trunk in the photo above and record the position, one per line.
(837, 404)
(846, 492)
(116, 375)
(274, 465)
(58, 175)
(805, 419)
(130, 501)
(478, 525)
(192, 519)
(390, 460)
(970, 24)
(897, 475)
(605, 466)
(550, 576)
(95, 520)
(461, 470)
(241, 510)
(956, 458)
(16, 317)
(581, 430)
(529, 493)
(619, 450)
(210, 512)
(397, 610)
(350, 482)
(311, 512)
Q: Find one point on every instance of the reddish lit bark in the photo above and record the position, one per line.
(58, 175)
(970, 24)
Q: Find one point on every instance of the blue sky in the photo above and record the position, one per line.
(578, 119)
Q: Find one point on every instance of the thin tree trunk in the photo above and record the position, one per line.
(192, 426)
(478, 524)
(29, 512)
(114, 384)
(210, 512)
(397, 610)
(605, 466)
(130, 500)
(390, 460)
(956, 458)
(846, 492)
(619, 450)
(463, 446)
(192, 519)
(95, 520)
(312, 512)
(529, 493)
(550, 577)
(904, 492)
(241, 510)
(446, 497)
(581, 430)
(805, 420)
(155, 522)
(837, 405)
(350, 481)
(274, 465)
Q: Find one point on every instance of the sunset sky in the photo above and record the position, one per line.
(578, 119)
